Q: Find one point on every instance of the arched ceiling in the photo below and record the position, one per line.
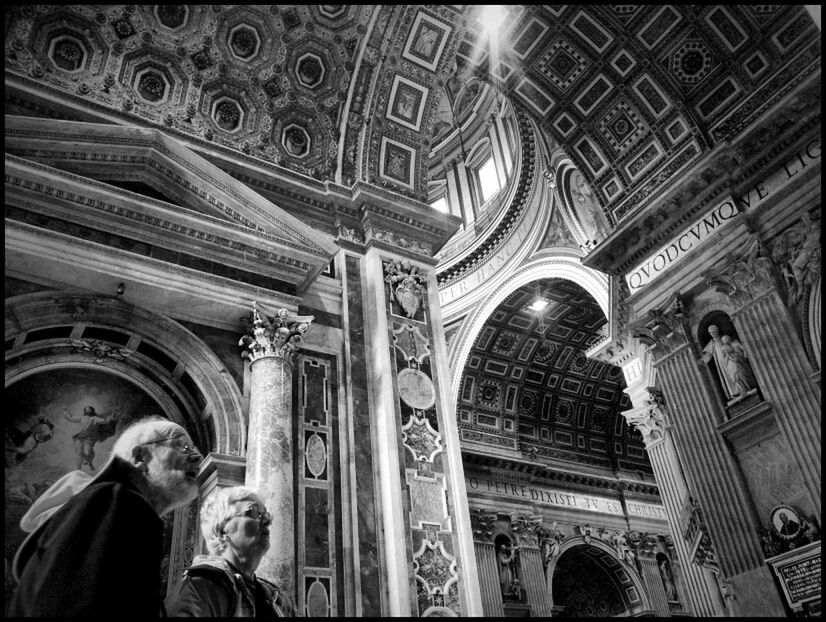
(635, 94)
(528, 386)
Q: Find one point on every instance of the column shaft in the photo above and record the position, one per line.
(783, 374)
(270, 462)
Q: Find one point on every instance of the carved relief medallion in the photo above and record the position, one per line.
(416, 389)
(316, 455)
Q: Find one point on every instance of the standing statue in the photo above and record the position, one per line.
(667, 577)
(732, 365)
(507, 568)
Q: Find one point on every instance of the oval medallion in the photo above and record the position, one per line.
(315, 454)
(416, 389)
(317, 601)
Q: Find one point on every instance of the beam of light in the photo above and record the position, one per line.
(538, 305)
(492, 18)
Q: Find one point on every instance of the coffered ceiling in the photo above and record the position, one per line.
(635, 94)
(527, 385)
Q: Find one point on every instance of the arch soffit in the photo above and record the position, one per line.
(573, 542)
(544, 265)
(54, 308)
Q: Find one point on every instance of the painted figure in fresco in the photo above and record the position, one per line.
(99, 555)
(587, 207)
(719, 352)
(20, 444)
(236, 527)
(427, 39)
(405, 101)
(94, 428)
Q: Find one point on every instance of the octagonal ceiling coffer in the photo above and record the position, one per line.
(68, 53)
(309, 69)
(227, 114)
(244, 42)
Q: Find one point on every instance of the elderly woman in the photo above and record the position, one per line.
(236, 526)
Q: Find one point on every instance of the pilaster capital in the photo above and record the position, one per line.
(650, 419)
(481, 523)
(279, 336)
(662, 331)
(743, 277)
(526, 529)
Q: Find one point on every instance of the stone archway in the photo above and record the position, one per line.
(545, 264)
(588, 579)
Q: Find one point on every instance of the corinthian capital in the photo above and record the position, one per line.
(661, 330)
(650, 419)
(279, 336)
(743, 276)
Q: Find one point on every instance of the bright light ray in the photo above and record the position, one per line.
(538, 305)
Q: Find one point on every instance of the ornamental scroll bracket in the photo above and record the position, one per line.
(279, 335)
(407, 285)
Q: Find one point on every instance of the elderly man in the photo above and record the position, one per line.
(99, 555)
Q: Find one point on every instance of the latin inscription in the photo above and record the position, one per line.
(691, 238)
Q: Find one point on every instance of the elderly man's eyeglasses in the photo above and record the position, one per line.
(177, 443)
(255, 513)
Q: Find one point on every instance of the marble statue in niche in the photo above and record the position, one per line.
(667, 577)
(507, 556)
(731, 363)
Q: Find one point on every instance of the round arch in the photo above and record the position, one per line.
(28, 313)
(545, 264)
(627, 581)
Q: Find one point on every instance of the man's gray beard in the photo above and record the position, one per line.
(175, 487)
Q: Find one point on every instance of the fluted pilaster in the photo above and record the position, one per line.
(489, 579)
(533, 578)
(783, 372)
(650, 574)
(697, 584)
(722, 493)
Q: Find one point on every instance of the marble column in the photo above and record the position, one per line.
(270, 346)
(650, 421)
(718, 484)
(779, 361)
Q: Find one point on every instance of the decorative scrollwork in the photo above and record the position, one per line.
(279, 336)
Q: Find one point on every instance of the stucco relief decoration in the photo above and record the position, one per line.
(550, 543)
(623, 546)
(421, 439)
(279, 336)
(407, 285)
(100, 350)
(797, 253)
(416, 389)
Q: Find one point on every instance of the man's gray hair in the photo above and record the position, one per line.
(151, 428)
(217, 510)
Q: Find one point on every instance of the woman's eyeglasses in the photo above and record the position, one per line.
(255, 513)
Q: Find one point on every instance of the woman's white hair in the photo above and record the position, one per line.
(218, 509)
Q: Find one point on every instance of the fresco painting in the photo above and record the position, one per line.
(57, 421)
